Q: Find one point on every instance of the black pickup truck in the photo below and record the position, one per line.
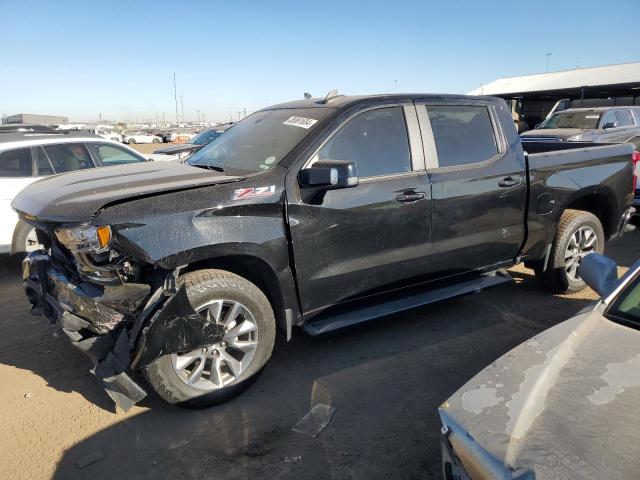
(319, 213)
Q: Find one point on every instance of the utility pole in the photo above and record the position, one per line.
(198, 115)
(182, 106)
(245, 112)
(100, 118)
(548, 60)
(239, 114)
(395, 85)
(175, 97)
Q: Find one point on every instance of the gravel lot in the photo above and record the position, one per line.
(385, 380)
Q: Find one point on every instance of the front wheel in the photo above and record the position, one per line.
(579, 233)
(131, 141)
(155, 140)
(216, 373)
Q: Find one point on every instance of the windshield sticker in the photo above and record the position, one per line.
(242, 193)
(301, 122)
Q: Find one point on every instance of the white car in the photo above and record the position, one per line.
(141, 137)
(109, 134)
(26, 157)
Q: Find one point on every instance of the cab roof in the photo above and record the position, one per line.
(342, 101)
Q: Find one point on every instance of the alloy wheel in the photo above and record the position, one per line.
(583, 242)
(218, 365)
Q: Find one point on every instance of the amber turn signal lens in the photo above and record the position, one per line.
(104, 236)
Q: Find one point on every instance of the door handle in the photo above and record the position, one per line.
(509, 182)
(410, 197)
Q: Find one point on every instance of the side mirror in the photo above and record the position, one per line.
(329, 175)
(609, 125)
(600, 273)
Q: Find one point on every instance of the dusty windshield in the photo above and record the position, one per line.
(572, 120)
(260, 141)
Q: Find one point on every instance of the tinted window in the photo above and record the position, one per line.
(624, 118)
(16, 163)
(67, 157)
(463, 134)
(112, 155)
(376, 141)
(42, 162)
(610, 118)
(626, 306)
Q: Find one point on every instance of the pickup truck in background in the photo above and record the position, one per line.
(319, 213)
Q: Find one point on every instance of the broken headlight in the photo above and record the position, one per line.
(85, 238)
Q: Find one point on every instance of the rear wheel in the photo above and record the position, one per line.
(155, 140)
(131, 141)
(213, 374)
(579, 234)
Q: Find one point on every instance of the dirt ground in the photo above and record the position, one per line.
(385, 380)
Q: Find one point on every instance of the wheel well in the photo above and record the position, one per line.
(255, 270)
(600, 206)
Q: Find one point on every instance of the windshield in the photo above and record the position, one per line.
(205, 137)
(626, 306)
(260, 141)
(587, 119)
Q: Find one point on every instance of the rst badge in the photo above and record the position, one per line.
(242, 193)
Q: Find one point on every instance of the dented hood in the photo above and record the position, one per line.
(76, 196)
(564, 404)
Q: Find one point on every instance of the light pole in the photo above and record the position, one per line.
(182, 107)
(175, 97)
(198, 115)
(548, 60)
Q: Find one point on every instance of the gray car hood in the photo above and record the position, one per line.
(77, 196)
(562, 133)
(563, 404)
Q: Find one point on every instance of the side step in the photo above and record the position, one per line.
(396, 305)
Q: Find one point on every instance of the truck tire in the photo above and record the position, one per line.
(217, 373)
(578, 234)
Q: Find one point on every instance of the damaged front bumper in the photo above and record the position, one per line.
(464, 459)
(122, 327)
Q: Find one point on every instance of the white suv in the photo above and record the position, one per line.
(26, 156)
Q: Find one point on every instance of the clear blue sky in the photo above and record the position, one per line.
(81, 58)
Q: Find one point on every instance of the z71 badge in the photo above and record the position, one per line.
(242, 193)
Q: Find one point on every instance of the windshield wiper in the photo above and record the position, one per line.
(208, 167)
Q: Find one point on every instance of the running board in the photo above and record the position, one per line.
(372, 312)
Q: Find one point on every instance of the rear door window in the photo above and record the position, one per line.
(463, 134)
(68, 157)
(624, 118)
(16, 163)
(113, 155)
(376, 141)
(43, 166)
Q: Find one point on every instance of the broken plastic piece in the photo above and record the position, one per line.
(315, 421)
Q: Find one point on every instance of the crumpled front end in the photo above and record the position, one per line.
(120, 327)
